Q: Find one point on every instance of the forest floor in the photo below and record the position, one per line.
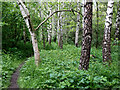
(14, 78)
(59, 69)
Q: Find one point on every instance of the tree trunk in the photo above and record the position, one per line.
(43, 37)
(61, 28)
(58, 26)
(60, 43)
(24, 34)
(117, 32)
(26, 16)
(78, 24)
(97, 26)
(87, 36)
(50, 28)
(42, 27)
(107, 32)
(83, 2)
(61, 35)
(54, 30)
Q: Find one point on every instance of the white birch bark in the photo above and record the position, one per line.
(41, 16)
(78, 24)
(61, 28)
(58, 25)
(107, 32)
(54, 26)
(87, 36)
(26, 16)
(118, 22)
(50, 27)
(83, 2)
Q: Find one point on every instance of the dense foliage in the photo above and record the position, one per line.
(11, 60)
(0, 69)
(59, 69)
(15, 24)
(10, 63)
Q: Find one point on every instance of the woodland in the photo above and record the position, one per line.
(70, 44)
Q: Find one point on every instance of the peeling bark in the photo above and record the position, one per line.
(107, 32)
(87, 36)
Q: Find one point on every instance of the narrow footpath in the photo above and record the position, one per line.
(14, 78)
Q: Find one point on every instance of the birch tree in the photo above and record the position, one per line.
(97, 15)
(26, 16)
(58, 25)
(54, 26)
(118, 21)
(83, 4)
(61, 28)
(78, 24)
(87, 36)
(50, 27)
(107, 32)
(42, 27)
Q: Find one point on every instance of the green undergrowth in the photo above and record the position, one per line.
(11, 59)
(0, 69)
(59, 69)
(9, 65)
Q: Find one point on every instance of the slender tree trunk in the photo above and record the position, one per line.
(43, 32)
(42, 27)
(117, 32)
(83, 2)
(61, 35)
(61, 28)
(55, 28)
(24, 34)
(107, 32)
(58, 26)
(50, 28)
(97, 26)
(87, 36)
(78, 24)
(26, 16)
(40, 15)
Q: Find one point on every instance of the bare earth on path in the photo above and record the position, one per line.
(14, 78)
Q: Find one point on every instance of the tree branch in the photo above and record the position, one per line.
(54, 13)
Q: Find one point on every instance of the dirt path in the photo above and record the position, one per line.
(13, 82)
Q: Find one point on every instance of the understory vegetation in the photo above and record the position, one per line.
(59, 69)
(11, 60)
(59, 40)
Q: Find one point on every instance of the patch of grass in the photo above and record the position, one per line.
(59, 69)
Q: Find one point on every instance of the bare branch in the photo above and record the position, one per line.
(54, 13)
